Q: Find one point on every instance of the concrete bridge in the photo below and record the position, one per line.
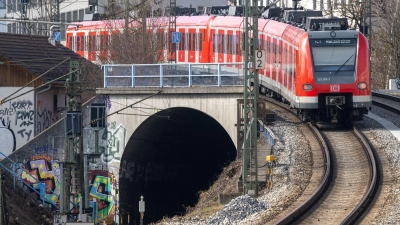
(176, 141)
(167, 138)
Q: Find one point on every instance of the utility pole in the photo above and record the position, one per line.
(250, 36)
(75, 159)
(172, 27)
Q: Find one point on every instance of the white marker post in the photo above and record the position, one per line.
(141, 209)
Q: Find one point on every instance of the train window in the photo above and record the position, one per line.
(229, 44)
(101, 42)
(83, 45)
(200, 41)
(92, 43)
(71, 43)
(186, 46)
(223, 43)
(190, 42)
(193, 41)
(196, 44)
(235, 42)
(181, 43)
(216, 42)
(78, 43)
(334, 58)
(221, 40)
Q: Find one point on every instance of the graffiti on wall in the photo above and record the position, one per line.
(43, 175)
(17, 120)
(111, 143)
(103, 187)
(154, 172)
(44, 119)
(7, 137)
(115, 137)
(106, 100)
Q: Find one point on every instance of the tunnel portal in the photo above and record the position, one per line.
(170, 157)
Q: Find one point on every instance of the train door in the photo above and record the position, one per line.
(221, 45)
(278, 64)
(273, 61)
(213, 47)
(284, 63)
(70, 41)
(268, 58)
(80, 43)
(201, 47)
(92, 46)
(181, 51)
(279, 61)
(291, 72)
(191, 45)
(265, 47)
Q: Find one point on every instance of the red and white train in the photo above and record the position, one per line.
(324, 73)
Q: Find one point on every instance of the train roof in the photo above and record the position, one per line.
(227, 21)
(193, 20)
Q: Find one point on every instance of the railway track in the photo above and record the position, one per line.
(348, 184)
(388, 102)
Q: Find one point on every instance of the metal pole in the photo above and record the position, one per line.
(249, 165)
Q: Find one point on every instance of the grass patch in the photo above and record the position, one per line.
(206, 212)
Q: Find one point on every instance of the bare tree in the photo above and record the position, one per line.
(386, 54)
(140, 37)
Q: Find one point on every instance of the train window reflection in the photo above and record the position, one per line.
(333, 58)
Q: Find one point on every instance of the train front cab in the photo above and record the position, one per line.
(335, 82)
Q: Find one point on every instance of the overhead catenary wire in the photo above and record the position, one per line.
(116, 112)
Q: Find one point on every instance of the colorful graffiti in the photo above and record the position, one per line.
(103, 187)
(43, 174)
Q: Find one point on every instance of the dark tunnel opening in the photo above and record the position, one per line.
(168, 160)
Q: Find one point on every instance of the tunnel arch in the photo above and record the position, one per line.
(169, 159)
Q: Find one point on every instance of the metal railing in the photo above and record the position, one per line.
(173, 75)
(268, 133)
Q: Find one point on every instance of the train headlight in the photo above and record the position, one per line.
(362, 85)
(307, 87)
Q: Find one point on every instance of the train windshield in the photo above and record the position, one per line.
(334, 55)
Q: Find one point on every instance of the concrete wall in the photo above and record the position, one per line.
(24, 117)
(217, 102)
(16, 119)
(43, 155)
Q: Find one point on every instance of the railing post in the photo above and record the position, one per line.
(190, 75)
(14, 177)
(105, 75)
(133, 75)
(219, 74)
(161, 76)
